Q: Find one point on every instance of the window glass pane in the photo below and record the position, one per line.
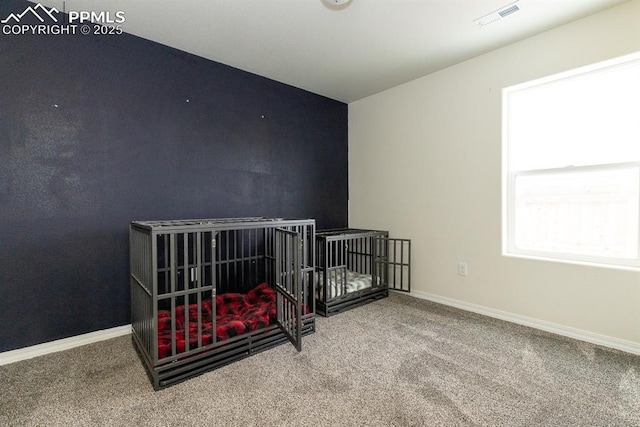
(590, 119)
(585, 212)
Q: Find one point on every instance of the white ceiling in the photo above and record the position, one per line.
(343, 53)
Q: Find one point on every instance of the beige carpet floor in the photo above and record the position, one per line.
(395, 362)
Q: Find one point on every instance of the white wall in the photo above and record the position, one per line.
(425, 163)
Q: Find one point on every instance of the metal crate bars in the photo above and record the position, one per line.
(355, 267)
(181, 271)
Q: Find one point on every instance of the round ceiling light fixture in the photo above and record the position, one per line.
(337, 3)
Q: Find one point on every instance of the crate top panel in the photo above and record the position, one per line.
(349, 232)
(219, 223)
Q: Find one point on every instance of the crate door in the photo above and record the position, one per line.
(289, 285)
(392, 261)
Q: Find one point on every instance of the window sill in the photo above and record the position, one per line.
(635, 269)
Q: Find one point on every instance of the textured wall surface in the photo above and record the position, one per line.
(97, 131)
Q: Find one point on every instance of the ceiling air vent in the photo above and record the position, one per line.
(499, 14)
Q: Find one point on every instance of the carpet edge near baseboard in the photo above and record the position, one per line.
(566, 331)
(13, 356)
(25, 353)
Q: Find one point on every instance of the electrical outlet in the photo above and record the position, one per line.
(462, 269)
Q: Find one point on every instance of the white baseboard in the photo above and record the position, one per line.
(567, 331)
(63, 344)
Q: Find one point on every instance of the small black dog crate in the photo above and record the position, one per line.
(355, 267)
(205, 293)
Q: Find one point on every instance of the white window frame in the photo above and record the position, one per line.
(508, 184)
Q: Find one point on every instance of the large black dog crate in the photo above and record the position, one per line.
(355, 267)
(205, 293)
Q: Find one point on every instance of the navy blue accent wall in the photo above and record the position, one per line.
(97, 131)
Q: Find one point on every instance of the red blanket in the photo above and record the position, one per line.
(236, 314)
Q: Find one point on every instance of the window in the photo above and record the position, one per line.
(571, 166)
